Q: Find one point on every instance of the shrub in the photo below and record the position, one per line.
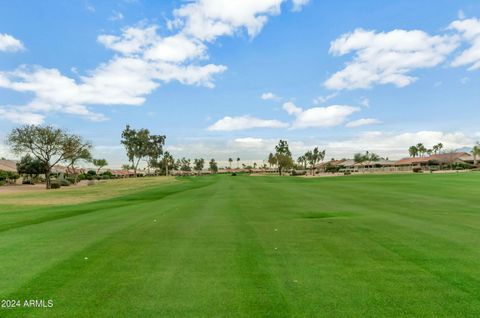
(71, 180)
(234, 174)
(64, 182)
(298, 173)
(91, 173)
(347, 173)
(2, 182)
(417, 170)
(55, 185)
(28, 181)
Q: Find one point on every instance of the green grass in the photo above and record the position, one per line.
(221, 246)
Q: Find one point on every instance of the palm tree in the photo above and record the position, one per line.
(272, 160)
(413, 151)
(230, 160)
(475, 153)
(421, 149)
(302, 161)
(238, 163)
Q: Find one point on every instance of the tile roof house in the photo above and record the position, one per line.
(444, 158)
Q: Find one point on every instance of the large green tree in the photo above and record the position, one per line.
(213, 166)
(99, 163)
(32, 167)
(198, 165)
(140, 144)
(283, 156)
(48, 144)
(313, 157)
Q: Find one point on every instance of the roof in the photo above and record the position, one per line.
(441, 158)
(381, 162)
(8, 165)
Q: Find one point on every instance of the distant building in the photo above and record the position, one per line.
(8, 165)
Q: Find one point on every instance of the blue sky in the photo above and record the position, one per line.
(343, 75)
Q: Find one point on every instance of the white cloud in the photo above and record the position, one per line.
(299, 4)
(268, 96)
(116, 16)
(20, 117)
(365, 102)
(292, 109)
(324, 99)
(10, 44)
(208, 19)
(245, 122)
(144, 59)
(330, 116)
(362, 122)
(470, 31)
(387, 58)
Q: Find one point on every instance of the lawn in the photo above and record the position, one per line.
(222, 246)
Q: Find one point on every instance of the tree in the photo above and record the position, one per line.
(100, 163)
(139, 144)
(198, 165)
(238, 163)
(359, 157)
(168, 162)
(230, 160)
(437, 148)
(80, 152)
(48, 144)
(185, 164)
(413, 151)
(302, 161)
(126, 167)
(314, 156)
(272, 160)
(30, 166)
(476, 153)
(421, 149)
(213, 167)
(283, 156)
(155, 152)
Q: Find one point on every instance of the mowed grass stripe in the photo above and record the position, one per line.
(366, 246)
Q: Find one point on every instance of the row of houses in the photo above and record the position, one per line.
(11, 166)
(433, 162)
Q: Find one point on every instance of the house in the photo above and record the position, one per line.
(434, 161)
(8, 166)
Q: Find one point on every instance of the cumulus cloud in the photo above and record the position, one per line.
(245, 122)
(362, 122)
(387, 57)
(470, 31)
(330, 116)
(10, 44)
(144, 59)
(268, 96)
(20, 117)
(208, 19)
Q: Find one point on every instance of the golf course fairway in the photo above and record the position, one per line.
(243, 246)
